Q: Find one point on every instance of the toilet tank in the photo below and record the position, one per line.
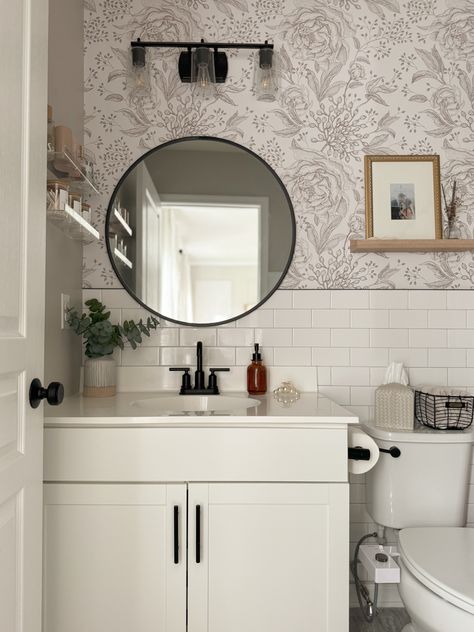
(427, 485)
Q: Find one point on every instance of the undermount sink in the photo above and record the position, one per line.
(194, 404)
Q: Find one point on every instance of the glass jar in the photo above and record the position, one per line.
(75, 202)
(57, 196)
(86, 212)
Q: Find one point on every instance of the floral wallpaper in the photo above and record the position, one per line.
(357, 77)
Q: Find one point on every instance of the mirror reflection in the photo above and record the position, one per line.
(200, 231)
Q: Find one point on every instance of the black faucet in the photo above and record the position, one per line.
(199, 377)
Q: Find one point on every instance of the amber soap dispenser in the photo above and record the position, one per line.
(256, 374)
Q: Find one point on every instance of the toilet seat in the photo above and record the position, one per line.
(442, 558)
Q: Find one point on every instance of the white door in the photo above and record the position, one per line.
(268, 557)
(23, 72)
(115, 558)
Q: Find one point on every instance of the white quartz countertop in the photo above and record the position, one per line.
(122, 410)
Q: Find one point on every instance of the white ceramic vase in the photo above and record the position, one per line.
(100, 377)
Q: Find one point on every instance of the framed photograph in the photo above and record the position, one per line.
(403, 197)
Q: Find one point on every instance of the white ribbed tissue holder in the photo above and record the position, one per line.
(394, 406)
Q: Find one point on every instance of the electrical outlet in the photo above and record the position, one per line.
(65, 303)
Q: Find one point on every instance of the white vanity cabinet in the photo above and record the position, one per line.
(196, 525)
(261, 557)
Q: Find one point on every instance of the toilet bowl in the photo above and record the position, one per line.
(437, 578)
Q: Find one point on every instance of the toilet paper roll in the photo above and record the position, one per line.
(359, 439)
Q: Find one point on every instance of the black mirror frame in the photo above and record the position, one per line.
(110, 210)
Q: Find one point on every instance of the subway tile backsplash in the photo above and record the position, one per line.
(341, 340)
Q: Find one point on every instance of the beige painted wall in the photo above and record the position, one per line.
(64, 256)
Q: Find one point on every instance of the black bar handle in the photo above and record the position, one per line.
(176, 534)
(393, 451)
(359, 454)
(198, 534)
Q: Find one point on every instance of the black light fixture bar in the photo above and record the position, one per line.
(189, 45)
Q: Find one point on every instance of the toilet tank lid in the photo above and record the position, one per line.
(419, 434)
(442, 558)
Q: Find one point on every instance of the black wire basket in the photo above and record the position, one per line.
(444, 412)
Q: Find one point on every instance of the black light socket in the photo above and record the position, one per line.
(138, 56)
(265, 57)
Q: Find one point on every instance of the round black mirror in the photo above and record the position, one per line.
(200, 231)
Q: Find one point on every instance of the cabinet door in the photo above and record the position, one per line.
(110, 558)
(273, 557)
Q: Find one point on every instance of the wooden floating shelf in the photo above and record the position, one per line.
(411, 245)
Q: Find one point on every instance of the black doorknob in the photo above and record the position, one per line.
(54, 393)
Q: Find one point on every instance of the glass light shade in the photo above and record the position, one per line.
(266, 78)
(203, 74)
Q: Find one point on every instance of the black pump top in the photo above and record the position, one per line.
(257, 356)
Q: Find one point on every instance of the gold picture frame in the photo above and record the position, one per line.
(403, 187)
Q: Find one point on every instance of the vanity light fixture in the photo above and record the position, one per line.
(204, 64)
(266, 85)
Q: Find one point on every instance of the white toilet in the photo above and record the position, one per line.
(424, 493)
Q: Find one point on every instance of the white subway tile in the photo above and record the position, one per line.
(447, 358)
(311, 337)
(292, 318)
(350, 376)
(372, 318)
(304, 378)
(339, 394)
(292, 356)
(470, 320)
(233, 380)
(235, 337)
(332, 318)
(427, 299)
(461, 377)
(377, 375)
(431, 376)
(274, 337)
(258, 318)
(447, 319)
(349, 338)
(410, 318)
(143, 356)
(280, 299)
(87, 295)
(330, 356)
(312, 298)
(186, 356)
(150, 378)
(460, 299)
(369, 357)
(352, 299)
(470, 358)
(362, 395)
(409, 357)
(430, 338)
(388, 299)
(159, 337)
(189, 336)
(389, 338)
(119, 298)
(324, 376)
(459, 339)
(136, 314)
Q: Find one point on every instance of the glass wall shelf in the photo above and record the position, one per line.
(121, 257)
(63, 167)
(73, 225)
(121, 224)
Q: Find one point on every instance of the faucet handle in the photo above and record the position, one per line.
(186, 381)
(213, 380)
